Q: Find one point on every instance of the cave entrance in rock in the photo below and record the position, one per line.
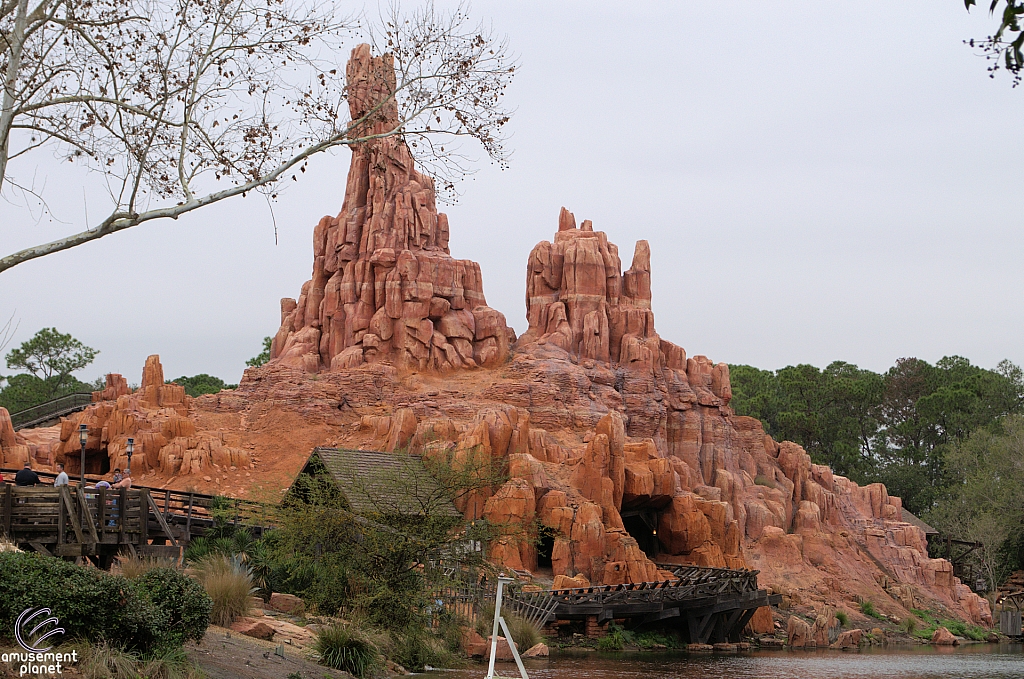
(642, 525)
(545, 544)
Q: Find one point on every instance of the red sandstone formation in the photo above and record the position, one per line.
(385, 286)
(156, 417)
(35, 446)
(597, 416)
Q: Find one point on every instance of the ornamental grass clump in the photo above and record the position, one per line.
(229, 584)
(345, 648)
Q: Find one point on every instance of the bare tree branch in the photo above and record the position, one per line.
(167, 98)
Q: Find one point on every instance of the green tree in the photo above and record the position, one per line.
(262, 357)
(891, 428)
(49, 357)
(984, 500)
(925, 408)
(830, 412)
(200, 384)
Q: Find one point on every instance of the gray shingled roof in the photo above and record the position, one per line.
(913, 520)
(384, 483)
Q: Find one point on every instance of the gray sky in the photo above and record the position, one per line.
(818, 181)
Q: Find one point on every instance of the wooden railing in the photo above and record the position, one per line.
(187, 514)
(68, 521)
(51, 410)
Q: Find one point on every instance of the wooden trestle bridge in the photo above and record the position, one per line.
(99, 523)
(708, 605)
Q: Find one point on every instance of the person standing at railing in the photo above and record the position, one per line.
(26, 477)
(62, 478)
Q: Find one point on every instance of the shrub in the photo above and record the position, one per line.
(90, 604)
(908, 625)
(843, 618)
(868, 609)
(229, 584)
(345, 648)
(762, 480)
(613, 641)
(183, 601)
(416, 648)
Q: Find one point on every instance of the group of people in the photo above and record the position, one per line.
(28, 477)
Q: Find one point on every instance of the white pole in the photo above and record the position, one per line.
(494, 628)
(515, 653)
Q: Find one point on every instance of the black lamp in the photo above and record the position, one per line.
(131, 448)
(83, 438)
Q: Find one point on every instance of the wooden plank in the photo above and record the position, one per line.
(163, 551)
(160, 518)
(122, 507)
(61, 529)
(188, 518)
(101, 510)
(88, 513)
(8, 501)
(144, 521)
(40, 548)
(65, 495)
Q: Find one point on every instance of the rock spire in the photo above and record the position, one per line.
(385, 286)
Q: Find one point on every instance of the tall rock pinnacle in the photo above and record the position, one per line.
(384, 285)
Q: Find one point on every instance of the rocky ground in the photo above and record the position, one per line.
(226, 654)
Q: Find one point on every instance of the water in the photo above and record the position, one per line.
(980, 661)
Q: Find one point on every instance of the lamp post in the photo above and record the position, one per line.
(130, 449)
(83, 438)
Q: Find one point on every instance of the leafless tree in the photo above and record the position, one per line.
(180, 104)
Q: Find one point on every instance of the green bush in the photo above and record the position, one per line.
(908, 625)
(868, 609)
(613, 641)
(345, 648)
(843, 618)
(416, 648)
(90, 604)
(182, 600)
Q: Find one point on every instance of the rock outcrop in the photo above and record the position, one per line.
(384, 285)
(156, 417)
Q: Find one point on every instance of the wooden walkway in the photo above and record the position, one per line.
(51, 411)
(100, 523)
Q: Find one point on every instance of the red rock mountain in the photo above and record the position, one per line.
(624, 447)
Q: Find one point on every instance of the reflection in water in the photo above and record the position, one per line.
(982, 661)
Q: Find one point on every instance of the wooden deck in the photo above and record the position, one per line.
(100, 523)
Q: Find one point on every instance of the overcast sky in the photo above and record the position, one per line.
(818, 182)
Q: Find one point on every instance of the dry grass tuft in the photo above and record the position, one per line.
(229, 583)
(132, 567)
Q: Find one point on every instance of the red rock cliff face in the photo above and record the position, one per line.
(385, 286)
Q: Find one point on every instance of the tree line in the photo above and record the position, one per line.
(48, 360)
(947, 438)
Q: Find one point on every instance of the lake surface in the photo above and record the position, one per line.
(976, 661)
